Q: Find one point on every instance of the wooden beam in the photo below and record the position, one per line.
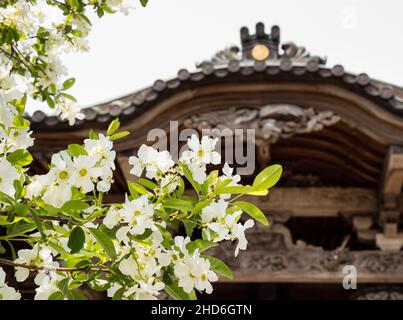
(314, 266)
(392, 177)
(317, 201)
(283, 203)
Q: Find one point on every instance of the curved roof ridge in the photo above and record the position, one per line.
(291, 60)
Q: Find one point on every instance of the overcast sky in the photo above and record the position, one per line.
(131, 52)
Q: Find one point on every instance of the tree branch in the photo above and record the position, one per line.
(59, 269)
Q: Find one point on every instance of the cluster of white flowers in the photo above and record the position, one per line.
(8, 174)
(137, 215)
(42, 34)
(12, 138)
(200, 154)
(46, 278)
(6, 292)
(156, 164)
(193, 271)
(85, 172)
(123, 6)
(220, 225)
(143, 264)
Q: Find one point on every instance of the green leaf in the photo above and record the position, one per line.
(74, 3)
(18, 189)
(210, 180)
(144, 2)
(50, 102)
(267, 178)
(5, 198)
(252, 210)
(147, 183)
(20, 123)
(20, 209)
(177, 292)
(2, 249)
(68, 96)
(189, 177)
(35, 216)
(168, 239)
(76, 239)
(200, 206)
(235, 189)
(118, 294)
(20, 105)
(56, 296)
(221, 183)
(181, 187)
(20, 158)
(219, 267)
(100, 12)
(113, 126)
(144, 236)
(13, 253)
(76, 150)
(105, 241)
(68, 83)
(189, 227)
(93, 135)
(134, 187)
(74, 206)
(178, 204)
(57, 247)
(200, 244)
(63, 286)
(119, 135)
(76, 295)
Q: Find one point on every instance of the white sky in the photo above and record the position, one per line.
(131, 52)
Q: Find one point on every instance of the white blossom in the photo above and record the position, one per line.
(37, 256)
(47, 285)
(103, 149)
(85, 173)
(138, 214)
(68, 111)
(194, 272)
(155, 163)
(17, 139)
(202, 151)
(8, 174)
(199, 155)
(6, 113)
(6, 292)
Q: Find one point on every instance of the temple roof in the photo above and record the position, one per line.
(261, 57)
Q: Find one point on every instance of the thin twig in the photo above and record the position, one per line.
(59, 269)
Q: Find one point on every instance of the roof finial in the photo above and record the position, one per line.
(260, 46)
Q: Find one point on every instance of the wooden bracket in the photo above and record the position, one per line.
(391, 185)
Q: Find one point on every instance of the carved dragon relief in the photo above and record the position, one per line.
(271, 122)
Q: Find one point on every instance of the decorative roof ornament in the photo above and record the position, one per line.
(263, 47)
(260, 46)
